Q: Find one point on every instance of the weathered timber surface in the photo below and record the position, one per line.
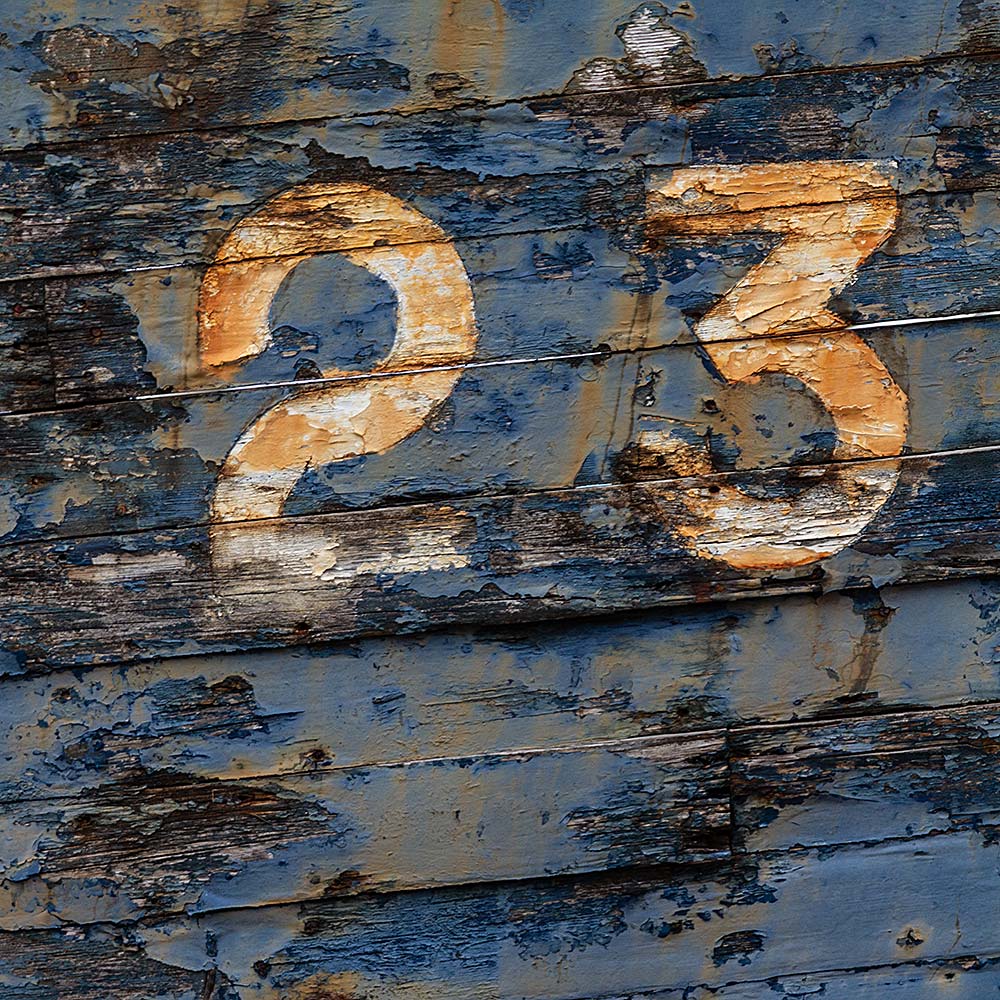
(539, 687)
(102, 337)
(111, 965)
(866, 779)
(91, 69)
(966, 978)
(574, 160)
(162, 804)
(113, 968)
(493, 559)
(161, 843)
(596, 937)
(509, 428)
(669, 793)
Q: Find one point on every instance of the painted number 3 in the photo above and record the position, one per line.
(829, 218)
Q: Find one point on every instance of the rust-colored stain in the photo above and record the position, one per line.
(831, 217)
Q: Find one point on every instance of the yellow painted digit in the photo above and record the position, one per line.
(435, 326)
(830, 217)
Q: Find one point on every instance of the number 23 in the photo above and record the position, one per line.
(830, 216)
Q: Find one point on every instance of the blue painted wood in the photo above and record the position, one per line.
(536, 294)
(169, 198)
(91, 68)
(212, 784)
(492, 559)
(454, 694)
(168, 842)
(547, 425)
(796, 790)
(765, 918)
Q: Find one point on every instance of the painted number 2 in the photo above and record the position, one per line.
(829, 218)
(435, 327)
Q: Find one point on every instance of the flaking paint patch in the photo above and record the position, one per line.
(435, 324)
(427, 547)
(830, 222)
(656, 51)
(113, 567)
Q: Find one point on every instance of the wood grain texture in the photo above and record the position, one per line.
(132, 794)
(113, 966)
(160, 843)
(496, 559)
(573, 160)
(104, 337)
(963, 978)
(89, 69)
(590, 638)
(503, 429)
(866, 779)
(597, 937)
(454, 694)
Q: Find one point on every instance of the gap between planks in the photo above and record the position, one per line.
(64, 271)
(804, 471)
(717, 988)
(633, 873)
(599, 354)
(623, 745)
(986, 55)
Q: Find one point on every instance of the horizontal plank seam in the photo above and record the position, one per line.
(628, 874)
(55, 272)
(624, 745)
(957, 55)
(679, 739)
(583, 355)
(805, 470)
(888, 712)
(682, 992)
(602, 354)
(494, 236)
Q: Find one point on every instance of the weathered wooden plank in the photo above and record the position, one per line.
(187, 819)
(498, 559)
(95, 68)
(29, 368)
(455, 694)
(548, 425)
(112, 967)
(243, 554)
(576, 160)
(536, 294)
(866, 779)
(106, 962)
(157, 843)
(969, 978)
(833, 910)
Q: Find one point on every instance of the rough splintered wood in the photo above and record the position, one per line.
(162, 843)
(89, 69)
(596, 937)
(967, 978)
(566, 161)
(536, 294)
(866, 779)
(797, 791)
(114, 970)
(547, 425)
(455, 694)
(494, 559)
(213, 834)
